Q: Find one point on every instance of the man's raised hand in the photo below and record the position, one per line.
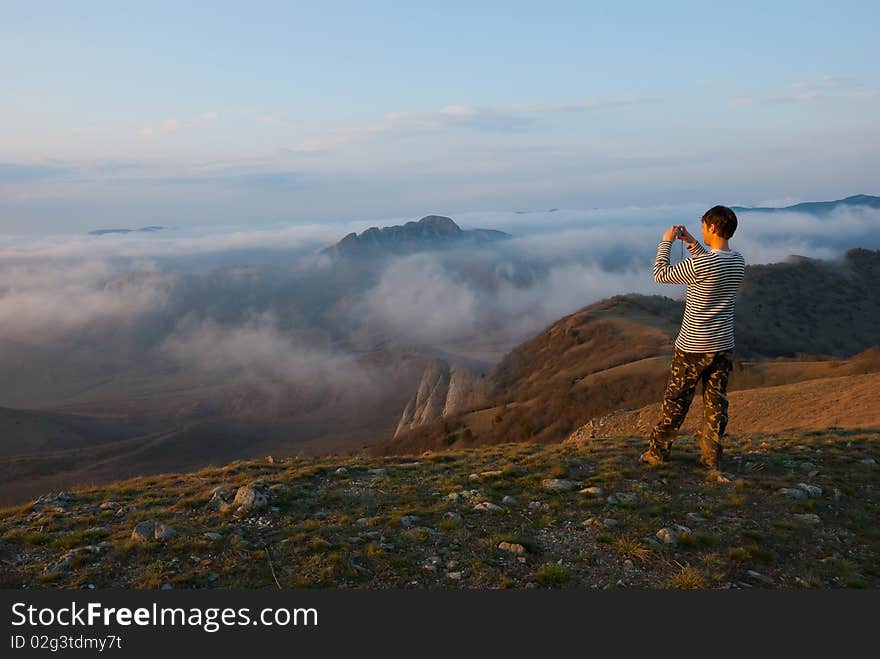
(686, 236)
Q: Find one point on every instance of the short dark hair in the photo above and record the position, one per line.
(722, 221)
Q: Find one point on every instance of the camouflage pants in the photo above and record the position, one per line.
(689, 368)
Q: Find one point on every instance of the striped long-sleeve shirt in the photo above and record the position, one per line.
(712, 279)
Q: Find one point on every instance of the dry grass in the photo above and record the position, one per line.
(332, 530)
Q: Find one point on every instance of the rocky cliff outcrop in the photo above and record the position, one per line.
(444, 390)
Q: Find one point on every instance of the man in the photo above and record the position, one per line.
(704, 345)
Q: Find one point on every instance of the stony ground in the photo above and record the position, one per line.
(801, 512)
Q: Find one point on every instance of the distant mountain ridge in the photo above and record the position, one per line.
(430, 232)
(815, 207)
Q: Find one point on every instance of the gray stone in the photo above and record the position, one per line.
(220, 500)
(812, 491)
(696, 518)
(432, 563)
(211, 535)
(557, 484)
(249, 498)
(867, 461)
(62, 565)
(57, 502)
(144, 532)
(493, 473)
(793, 493)
(512, 547)
(667, 536)
(592, 491)
(408, 520)
(487, 506)
(509, 500)
(622, 498)
(463, 495)
(150, 530)
(164, 532)
(807, 518)
(763, 578)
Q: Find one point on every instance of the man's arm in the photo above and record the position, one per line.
(696, 249)
(684, 272)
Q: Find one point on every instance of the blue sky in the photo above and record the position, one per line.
(249, 114)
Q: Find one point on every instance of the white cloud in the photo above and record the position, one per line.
(826, 82)
(42, 301)
(169, 126)
(810, 89)
(260, 352)
(590, 104)
(397, 124)
(137, 245)
(418, 299)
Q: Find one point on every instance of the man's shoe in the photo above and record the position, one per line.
(651, 458)
(715, 476)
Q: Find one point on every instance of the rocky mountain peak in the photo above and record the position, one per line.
(429, 233)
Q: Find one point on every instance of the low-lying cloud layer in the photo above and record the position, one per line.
(278, 319)
(43, 302)
(259, 352)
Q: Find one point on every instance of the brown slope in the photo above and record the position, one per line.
(24, 431)
(551, 384)
(189, 447)
(605, 356)
(851, 401)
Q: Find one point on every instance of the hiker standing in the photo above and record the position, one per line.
(704, 345)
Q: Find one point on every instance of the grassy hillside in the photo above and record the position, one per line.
(810, 306)
(613, 355)
(800, 513)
